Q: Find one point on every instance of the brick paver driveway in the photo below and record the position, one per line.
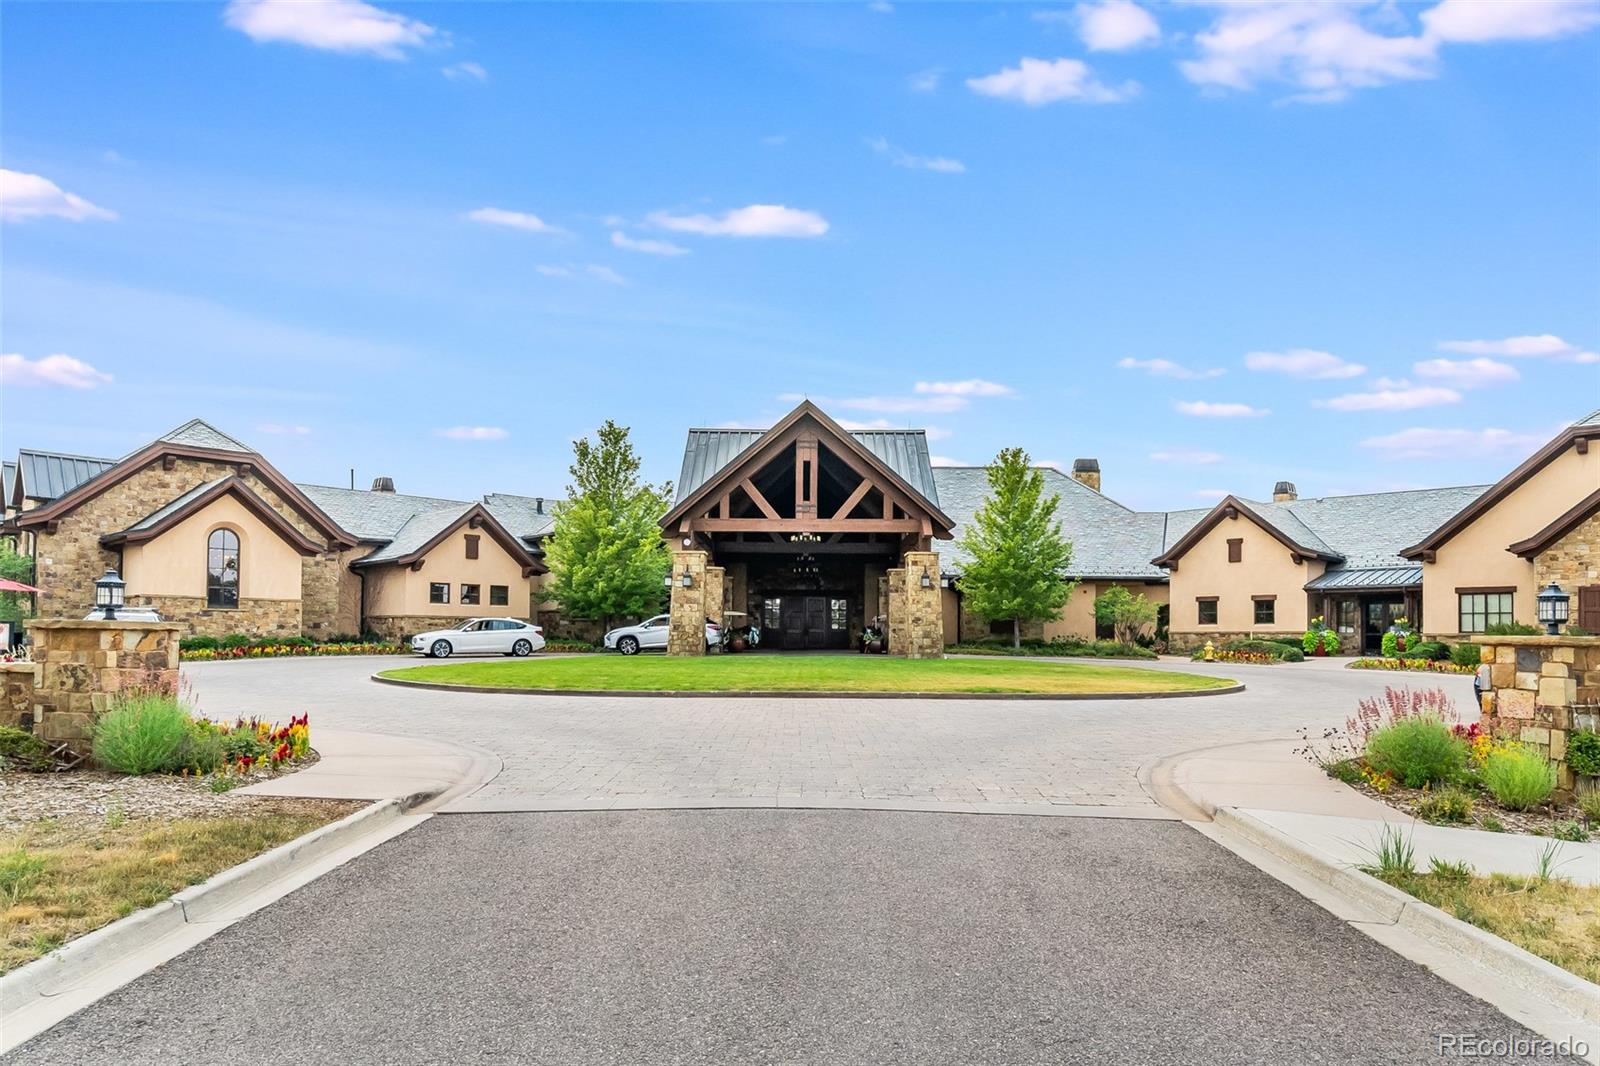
(585, 752)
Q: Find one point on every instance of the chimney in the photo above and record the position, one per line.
(538, 505)
(383, 484)
(1283, 492)
(1087, 472)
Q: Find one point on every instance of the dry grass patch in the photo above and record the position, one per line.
(60, 880)
(1553, 918)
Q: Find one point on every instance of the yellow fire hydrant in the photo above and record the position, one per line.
(1211, 652)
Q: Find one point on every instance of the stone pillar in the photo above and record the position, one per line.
(82, 665)
(716, 593)
(916, 613)
(17, 682)
(686, 634)
(1540, 689)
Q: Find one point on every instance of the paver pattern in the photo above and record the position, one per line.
(596, 751)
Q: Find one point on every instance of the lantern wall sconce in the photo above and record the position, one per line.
(687, 580)
(110, 592)
(927, 580)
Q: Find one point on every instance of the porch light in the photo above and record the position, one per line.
(666, 581)
(688, 582)
(110, 592)
(1553, 607)
(927, 582)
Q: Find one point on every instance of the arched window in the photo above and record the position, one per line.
(222, 568)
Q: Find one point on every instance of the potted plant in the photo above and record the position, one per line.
(1396, 638)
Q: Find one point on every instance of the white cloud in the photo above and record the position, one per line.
(551, 270)
(278, 430)
(24, 196)
(1454, 443)
(1115, 25)
(1304, 363)
(940, 164)
(495, 216)
(757, 220)
(970, 387)
(937, 433)
(945, 460)
(605, 274)
(348, 26)
(63, 370)
(1397, 396)
(1536, 346)
(881, 7)
(1186, 456)
(472, 433)
(899, 405)
(925, 81)
(1166, 368)
(1466, 373)
(1036, 82)
(1325, 50)
(466, 71)
(1480, 21)
(645, 245)
(1203, 409)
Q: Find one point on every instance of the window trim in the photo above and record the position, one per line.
(476, 594)
(504, 593)
(1216, 611)
(238, 569)
(1271, 602)
(435, 586)
(1485, 591)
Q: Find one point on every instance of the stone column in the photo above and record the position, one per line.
(916, 614)
(83, 665)
(17, 683)
(1540, 689)
(716, 593)
(687, 632)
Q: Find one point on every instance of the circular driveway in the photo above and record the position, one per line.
(600, 752)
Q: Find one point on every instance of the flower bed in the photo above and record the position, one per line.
(1224, 655)
(283, 651)
(1419, 666)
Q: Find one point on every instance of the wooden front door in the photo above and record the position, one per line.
(809, 622)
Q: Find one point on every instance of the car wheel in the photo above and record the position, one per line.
(628, 645)
(522, 647)
(440, 649)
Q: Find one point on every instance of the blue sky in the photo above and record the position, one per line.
(1356, 246)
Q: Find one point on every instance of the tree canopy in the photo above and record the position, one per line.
(1017, 566)
(606, 556)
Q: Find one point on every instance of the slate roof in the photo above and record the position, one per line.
(48, 475)
(524, 517)
(415, 532)
(1376, 577)
(905, 451)
(1368, 530)
(373, 516)
(1591, 419)
(199, 433)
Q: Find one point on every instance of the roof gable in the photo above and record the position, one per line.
(202, 434)
(425, 531)
(1290, 532)
(198, 499)
(1580, 513)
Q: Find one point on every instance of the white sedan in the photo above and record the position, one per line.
(652, 633)
(480, 636)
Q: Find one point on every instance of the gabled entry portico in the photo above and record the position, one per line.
(809, 531)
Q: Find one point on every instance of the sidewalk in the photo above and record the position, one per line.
(1271, 783)
(378, 766)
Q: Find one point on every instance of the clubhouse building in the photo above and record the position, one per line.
(807, 529)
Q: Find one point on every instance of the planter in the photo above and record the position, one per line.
(1320, 650)
(737, 644)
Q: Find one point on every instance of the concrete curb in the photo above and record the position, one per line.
(80, 960)
(1058, 697)
(1515, 965)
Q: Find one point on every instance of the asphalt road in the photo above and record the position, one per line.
(776, 936)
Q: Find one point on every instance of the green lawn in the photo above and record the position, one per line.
(805, 673)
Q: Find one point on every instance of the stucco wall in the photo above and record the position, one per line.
(1264, 569)
(1077, 617)
(1476, 557)
(174, 564)
(397, 591)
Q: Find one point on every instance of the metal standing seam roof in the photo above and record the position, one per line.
(49, 475)
(1372, 577)
(8, 482)
(905, 451)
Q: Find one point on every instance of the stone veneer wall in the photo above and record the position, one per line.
(17, 682)
(1572, 562)
(70, 559)
(916, 614)
(82, 665)
(253, 617)
(975, 627)
(686, 634)
(1539, 689)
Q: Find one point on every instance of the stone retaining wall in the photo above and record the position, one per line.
(17, 681)
(1540, 689)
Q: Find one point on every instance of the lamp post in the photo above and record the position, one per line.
(109, 594)
(1553, 608)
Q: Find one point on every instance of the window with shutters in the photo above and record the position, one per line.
(472, 546)
(1236, 550)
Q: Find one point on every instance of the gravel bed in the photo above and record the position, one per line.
(78, 796)
(1540, 821)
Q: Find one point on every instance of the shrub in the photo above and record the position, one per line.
(1277, 650)
(199, 644)
(235, 640)
(1418, 751)
(1589, 804)
(1465, 655)
(284, 642)
(1511, 629)
(1583, 753)
(1446, 805)
(201, 752)
(1518, 777)
(143, 735)
(24, 751)
(1432, 650)
(241, 742)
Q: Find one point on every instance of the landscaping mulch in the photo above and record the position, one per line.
(1540, 821)
(91, 796)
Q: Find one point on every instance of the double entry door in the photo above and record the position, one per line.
(814, 621)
